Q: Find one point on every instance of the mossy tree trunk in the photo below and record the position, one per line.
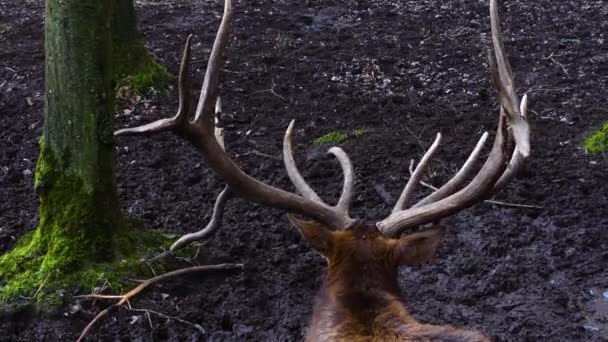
(124, 21)
(133, 66)
(75, 173)
(80, 218)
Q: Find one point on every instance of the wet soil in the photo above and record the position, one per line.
(400, 71)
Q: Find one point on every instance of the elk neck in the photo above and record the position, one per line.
(360, 287)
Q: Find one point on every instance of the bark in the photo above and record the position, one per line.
(124, 21)
(82, 239)
(80, 220)
(75, 174)
(133, 65)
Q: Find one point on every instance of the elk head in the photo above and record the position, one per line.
(360, 295)
(361, 250)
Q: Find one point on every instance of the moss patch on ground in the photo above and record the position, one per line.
(337, 137)
(5, 28)
(598, 141)
(151, 75)
(136, 70)
(359, 132)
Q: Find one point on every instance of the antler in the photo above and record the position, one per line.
(512, 140)
(302, 187)
(200, 133)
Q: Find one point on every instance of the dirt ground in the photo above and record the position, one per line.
(398, 70)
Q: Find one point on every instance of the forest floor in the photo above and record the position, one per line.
(390, 74)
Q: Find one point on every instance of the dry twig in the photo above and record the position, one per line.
(551, 57)
(124, 299)
(260, 154)
(504, 204)
(270, 90)
(148, 312)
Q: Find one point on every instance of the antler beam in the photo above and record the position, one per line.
(200, 133)
(512, 141)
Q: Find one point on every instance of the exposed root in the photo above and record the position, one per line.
(124, 299)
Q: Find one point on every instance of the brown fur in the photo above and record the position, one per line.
(360, 299)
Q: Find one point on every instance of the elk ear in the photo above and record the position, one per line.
(419, 247)
(315, 233)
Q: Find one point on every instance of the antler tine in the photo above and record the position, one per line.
(459, 178)
(343, 205)
(517, 160)
(502, 76)
(479, 187)
(200, 133)
(494, 173)
(349, 179)
(292, 170)
(183, 109)
(183, 85)
(523, 107)
(220, 202)
(407, 195)
(209, 89)
(213, 225)
(219, 131)
(514, 165)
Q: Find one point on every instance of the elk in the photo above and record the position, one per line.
(360, 298)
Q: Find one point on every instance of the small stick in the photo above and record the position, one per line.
(270, 90)
(416, 137)
(514, 205)
(38, 290)
(149, 319)
(124, 299)
(260, 154)
(98, 296)
(159, 256)
(504, 204)
(552, 59)
(542, 88)
(148, 312)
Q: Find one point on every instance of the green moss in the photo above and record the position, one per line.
(135, 69)
(25, 277)
(82, 241)
(20, 268)
(359, 132)
(5, 28)
(597, 142)
(337, 137)
(77, 218)
(151, 75)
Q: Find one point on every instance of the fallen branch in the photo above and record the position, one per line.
(124, 299)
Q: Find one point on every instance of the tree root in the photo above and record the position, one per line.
(124, 299)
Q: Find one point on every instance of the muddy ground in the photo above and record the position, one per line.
(400, 71)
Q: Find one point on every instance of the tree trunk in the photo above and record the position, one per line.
(75, 173)
(124, 22)
(80, 218)
(133, 66)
